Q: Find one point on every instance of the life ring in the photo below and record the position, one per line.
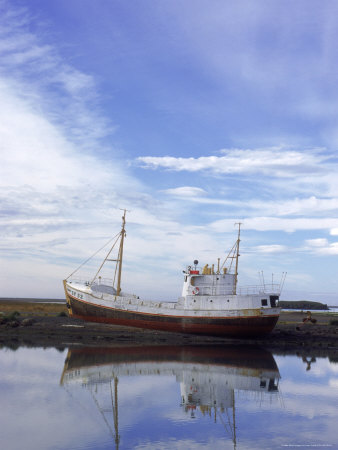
(196, 291)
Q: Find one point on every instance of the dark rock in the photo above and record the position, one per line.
(13, 324)
(27, 322)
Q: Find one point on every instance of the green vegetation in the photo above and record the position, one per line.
(27, 308)
(9, 317)
(302, 304)
(13, 316)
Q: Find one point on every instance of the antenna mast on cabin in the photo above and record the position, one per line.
(237, 253)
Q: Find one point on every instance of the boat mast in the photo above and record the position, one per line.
(115, 412)
(120, 254)
(237, 254)
(234, 420)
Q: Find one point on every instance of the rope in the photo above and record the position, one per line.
(110, 240)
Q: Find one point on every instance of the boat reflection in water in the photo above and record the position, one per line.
(209, 377)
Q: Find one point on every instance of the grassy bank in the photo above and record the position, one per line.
(28, 308)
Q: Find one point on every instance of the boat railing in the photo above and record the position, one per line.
(96, 282)
(105, 281)
(244, 290)
(78, 280)
(272, 288)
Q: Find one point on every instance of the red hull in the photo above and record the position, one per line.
(224, 326)
(241, 357)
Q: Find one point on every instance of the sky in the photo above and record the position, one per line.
(193, 115)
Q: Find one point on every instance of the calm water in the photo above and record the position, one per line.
(166, 398)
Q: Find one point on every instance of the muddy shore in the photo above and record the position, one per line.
(44, 324)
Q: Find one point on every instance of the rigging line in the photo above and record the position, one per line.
(231, 252)
(93, 255)
(283, 281)
(115, 274)
(227, 426)
(78, 402)
(102, 414)
(105, 259)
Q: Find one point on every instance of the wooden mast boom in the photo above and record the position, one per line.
(123, 233)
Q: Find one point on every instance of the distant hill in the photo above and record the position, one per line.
(302, 304)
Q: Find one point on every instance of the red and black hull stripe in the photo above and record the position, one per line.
(226, 326)
(240, 356)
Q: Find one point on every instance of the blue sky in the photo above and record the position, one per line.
(193, 115)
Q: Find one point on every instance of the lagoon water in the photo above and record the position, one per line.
(166, 398)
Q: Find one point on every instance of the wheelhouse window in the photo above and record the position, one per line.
(274, 300)
(264, 302)
(273, 385)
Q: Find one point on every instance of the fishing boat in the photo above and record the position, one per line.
(210, 304)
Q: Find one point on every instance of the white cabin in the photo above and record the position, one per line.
(197, 282)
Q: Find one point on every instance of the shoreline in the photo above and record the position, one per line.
(40, 324)
(31, 300)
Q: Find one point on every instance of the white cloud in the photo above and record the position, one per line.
(332, 249)
(320, 242)
(186, 191)
(297, 206)
(277, 224)
(277, 161)
(278, 207)
(266, 182)
(35, 71)
(321, 246)
(45, 178)
(36, 153)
